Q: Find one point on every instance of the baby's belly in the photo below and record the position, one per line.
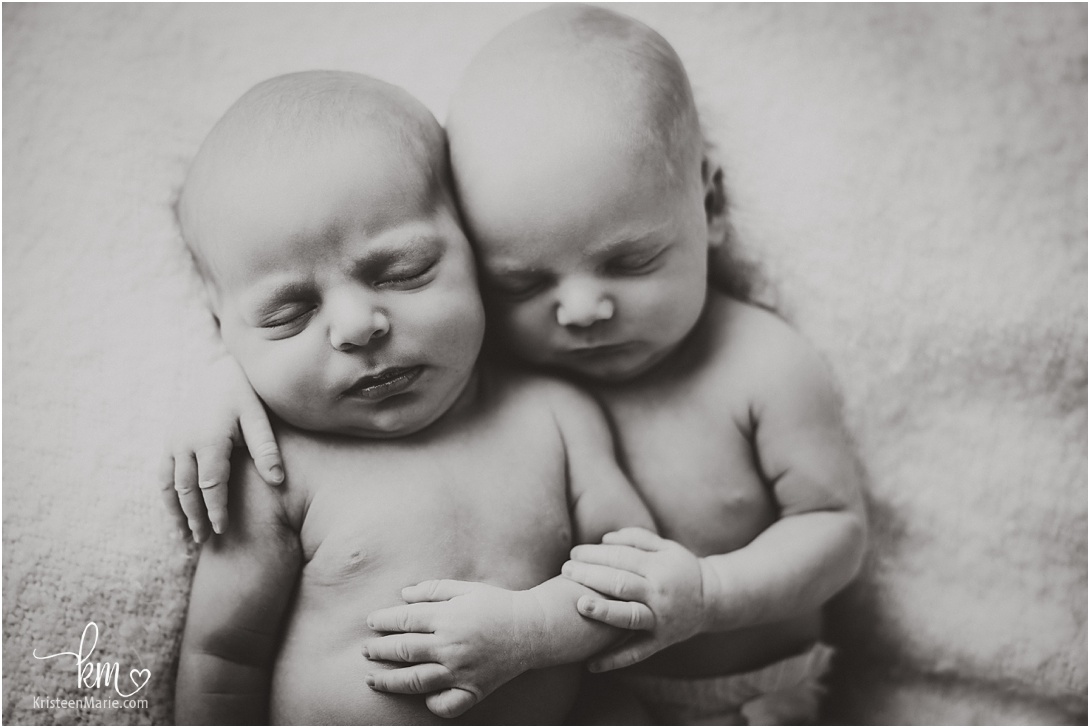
(320, 670)
(728, 653)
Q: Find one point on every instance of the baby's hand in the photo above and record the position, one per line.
(467, 639)
(660, 585)
(195, 469)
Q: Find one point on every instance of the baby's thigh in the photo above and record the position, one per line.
(604, 701)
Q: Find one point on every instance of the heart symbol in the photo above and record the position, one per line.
(134, 673)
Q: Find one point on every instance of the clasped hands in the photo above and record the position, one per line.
(464, 640)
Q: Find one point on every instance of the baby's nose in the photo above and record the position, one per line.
(356, 323)
(583, 306)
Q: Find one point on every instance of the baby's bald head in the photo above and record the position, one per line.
(581, 172)
(575, 70)
(280, 122)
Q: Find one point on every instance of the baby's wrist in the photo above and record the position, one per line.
(709, 602)
(530, 623)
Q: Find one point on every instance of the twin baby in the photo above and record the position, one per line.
(416, 564)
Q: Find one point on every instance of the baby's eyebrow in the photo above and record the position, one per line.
(272, 294)
(627, 244)
(384, 254)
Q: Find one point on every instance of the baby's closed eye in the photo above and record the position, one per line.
(286, 320)
(286, 314)
(635, 263)
(407, 276)
(518, 285)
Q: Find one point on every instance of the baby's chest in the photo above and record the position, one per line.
(697, 472)
(496, 514)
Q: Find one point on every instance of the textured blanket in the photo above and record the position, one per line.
(912, 180)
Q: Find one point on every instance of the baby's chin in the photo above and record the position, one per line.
(389, 423)
(398, 415)
(618, 369)
(366, 429)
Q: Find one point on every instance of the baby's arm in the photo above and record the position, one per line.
(602, 500)
(220, 414)
(475, 637)
(816, 547)
(241, 590)
(600, 496)
(811, 552)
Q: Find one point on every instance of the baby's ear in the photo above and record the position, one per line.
(715, 202)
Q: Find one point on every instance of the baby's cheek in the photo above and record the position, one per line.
(455, 314)
(528, 330)
(284, 378)
(671, 307)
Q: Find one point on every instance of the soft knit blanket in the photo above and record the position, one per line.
(911, 179)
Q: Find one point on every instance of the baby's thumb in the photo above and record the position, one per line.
(261, 442)
(450, 703)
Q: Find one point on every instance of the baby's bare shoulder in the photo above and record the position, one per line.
(536, 390)
(310, 459)
(255, 506)
(757, 347)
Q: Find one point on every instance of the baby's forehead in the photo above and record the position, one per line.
(578, 67)
(318, 169)
(293, 135)
(263, 133)
(253, 149)
(565, 43)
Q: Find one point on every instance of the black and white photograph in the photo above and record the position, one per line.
(545, 364)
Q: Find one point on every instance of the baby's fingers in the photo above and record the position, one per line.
(438, 590)
(627, 654)
(189, 496)
(451, 703)
(407, 647)
(636, 537)
(623, 615)
(170, 496)
(412, 680)
(261, 442)
(404, 618)
(213, 474)
(619, 557)
(616, 583)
